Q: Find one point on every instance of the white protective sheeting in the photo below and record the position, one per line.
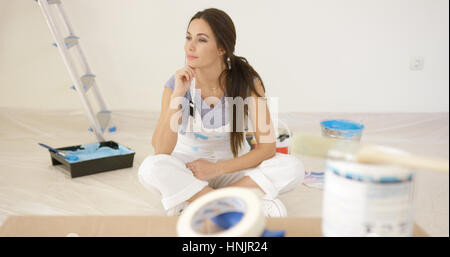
(30, 185)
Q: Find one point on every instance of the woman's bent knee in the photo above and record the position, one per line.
(290, 171)
(156, 168)
(294, 168)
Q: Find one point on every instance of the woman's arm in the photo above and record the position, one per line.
(264, 134)
(164, 137)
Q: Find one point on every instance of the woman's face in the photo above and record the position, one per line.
(201, 46)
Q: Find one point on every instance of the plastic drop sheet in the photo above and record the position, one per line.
(30, 185)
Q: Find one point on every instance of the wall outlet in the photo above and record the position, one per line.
(416, 63)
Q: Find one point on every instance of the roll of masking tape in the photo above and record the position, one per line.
(227, 212)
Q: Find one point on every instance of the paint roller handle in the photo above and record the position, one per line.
(63, 154)
(52, 149)
(380, 154)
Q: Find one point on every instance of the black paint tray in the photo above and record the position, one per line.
(92, 162)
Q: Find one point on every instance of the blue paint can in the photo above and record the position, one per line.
(342, 129)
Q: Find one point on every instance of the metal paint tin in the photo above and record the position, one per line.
(367, 200)
(342, 129)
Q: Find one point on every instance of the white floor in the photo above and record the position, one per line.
(30, 185)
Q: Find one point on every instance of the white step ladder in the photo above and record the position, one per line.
(82, 83)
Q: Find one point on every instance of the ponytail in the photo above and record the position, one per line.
(239, 82)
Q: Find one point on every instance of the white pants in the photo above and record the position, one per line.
(168, 175)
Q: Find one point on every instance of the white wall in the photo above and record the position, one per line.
(315, 55)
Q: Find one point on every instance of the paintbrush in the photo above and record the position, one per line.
(339, 149)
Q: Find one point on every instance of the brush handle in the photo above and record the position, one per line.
(53, 149)
(378, 154)
(305, 144)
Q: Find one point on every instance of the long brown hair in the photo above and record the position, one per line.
(239, 80)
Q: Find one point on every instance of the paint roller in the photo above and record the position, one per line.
(336, 149)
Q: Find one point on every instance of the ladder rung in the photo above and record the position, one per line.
(111, 129)
(91, 130)
(88, 80)
(69, 41)
(74, 88)
(103, 118)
